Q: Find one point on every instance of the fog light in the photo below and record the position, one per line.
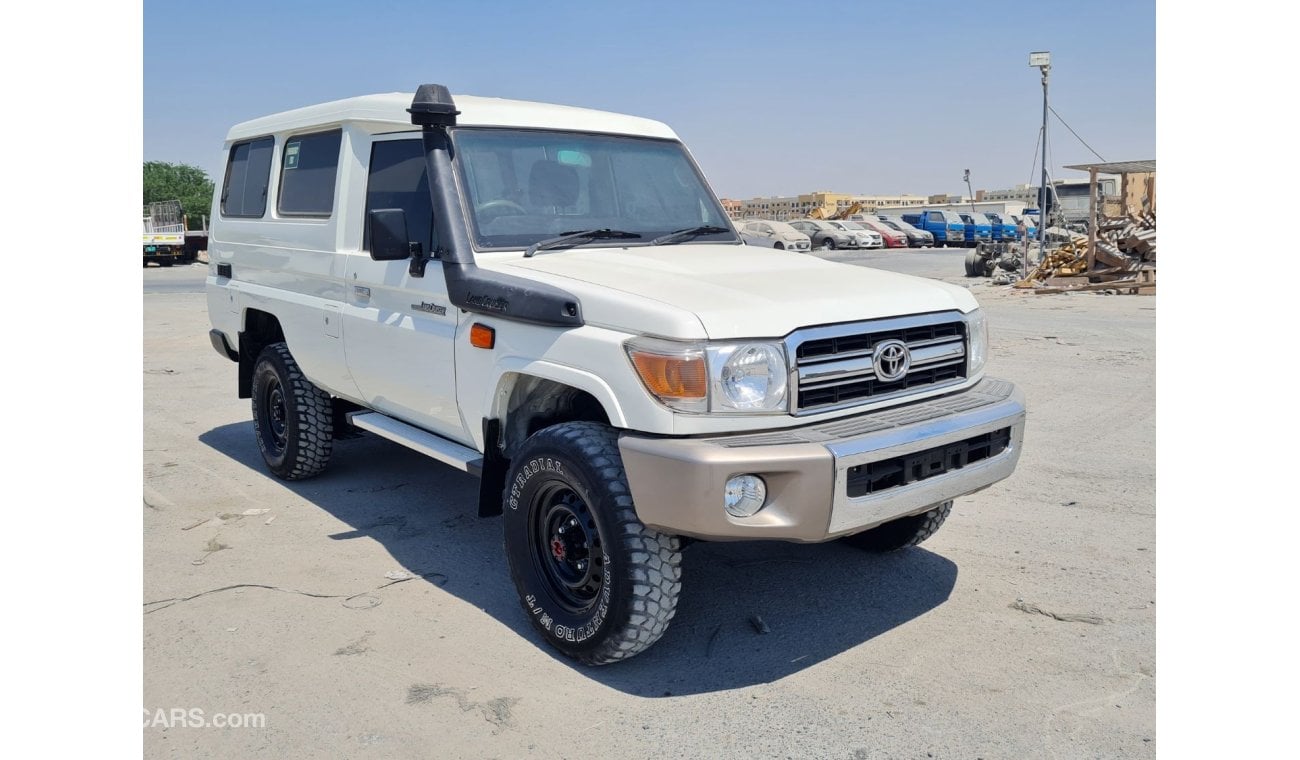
(744, 496)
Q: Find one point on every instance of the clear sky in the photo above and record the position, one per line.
(773, 98)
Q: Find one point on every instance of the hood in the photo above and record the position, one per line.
(730, 291)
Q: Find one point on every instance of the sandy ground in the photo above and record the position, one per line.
(284, 608)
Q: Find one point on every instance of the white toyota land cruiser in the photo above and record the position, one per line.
(553, 299)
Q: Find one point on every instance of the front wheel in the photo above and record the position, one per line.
(597, 583)
(830, 244)
(901, 533)
(779, 247)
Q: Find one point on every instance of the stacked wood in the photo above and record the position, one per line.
(1124, 260)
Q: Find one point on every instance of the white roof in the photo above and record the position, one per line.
(387, 113)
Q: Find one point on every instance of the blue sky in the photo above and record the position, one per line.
(772, 99)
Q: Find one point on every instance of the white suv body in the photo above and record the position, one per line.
(400, 264)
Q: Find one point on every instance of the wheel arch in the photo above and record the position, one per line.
(524, 401)
(258, 329)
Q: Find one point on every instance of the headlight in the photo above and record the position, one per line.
(977, 328)
(713, 377)
(747, 378)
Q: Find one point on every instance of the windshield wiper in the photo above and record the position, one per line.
(603, 233)
(689, 232)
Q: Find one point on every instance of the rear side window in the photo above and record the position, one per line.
(307, 172)
(248, 173)
(399, 179)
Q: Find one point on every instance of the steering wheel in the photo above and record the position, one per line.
(499, 207)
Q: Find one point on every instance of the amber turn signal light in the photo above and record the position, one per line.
(482, 336)
(672, 377)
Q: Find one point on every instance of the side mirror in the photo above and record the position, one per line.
(388, 240)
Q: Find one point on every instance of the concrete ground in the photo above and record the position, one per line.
(1024, 628)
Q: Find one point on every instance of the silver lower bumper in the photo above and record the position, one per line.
(678, 483)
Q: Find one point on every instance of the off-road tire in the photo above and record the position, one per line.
(901, 533)
(974, 264)
(293, 420)
(621, 601)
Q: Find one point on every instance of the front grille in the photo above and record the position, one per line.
(835, 365)
(874, 477)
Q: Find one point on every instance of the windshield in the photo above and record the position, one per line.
(852, 226)
(524, 186)
(951, 217)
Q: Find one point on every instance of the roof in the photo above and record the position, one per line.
(387, 113)
(1119, 167)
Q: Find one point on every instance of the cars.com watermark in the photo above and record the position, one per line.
(197, 717)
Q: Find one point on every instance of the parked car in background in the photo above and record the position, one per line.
(866, 238)
(823, 235)
(979, 229)
(890, 237)
(769, 234)
(916, 238)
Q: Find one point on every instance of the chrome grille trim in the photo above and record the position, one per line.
(840, 356)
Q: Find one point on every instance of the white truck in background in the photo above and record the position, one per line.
(164, 234)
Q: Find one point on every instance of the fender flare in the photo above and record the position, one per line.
(498, 392)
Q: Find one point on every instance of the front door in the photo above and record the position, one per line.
(399, 330)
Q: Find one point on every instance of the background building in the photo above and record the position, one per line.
(787, 207)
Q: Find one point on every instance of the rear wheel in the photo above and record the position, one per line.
(293, 420)
(901, 533)
(594, 581)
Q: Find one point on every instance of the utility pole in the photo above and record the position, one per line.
(966, 177)
(1043, 60)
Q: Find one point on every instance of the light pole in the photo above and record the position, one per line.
(1043, 60)
(966, 176)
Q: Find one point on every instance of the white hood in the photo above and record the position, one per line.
(735, 291)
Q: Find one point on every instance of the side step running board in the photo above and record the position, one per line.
(437, 447)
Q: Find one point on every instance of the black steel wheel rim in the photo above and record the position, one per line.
(275, 416)
(566, 547)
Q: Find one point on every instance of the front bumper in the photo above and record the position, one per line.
(678, 483)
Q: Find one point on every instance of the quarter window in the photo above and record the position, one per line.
(307, 171)
(248, 173)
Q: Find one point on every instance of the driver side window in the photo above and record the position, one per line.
(399, 179)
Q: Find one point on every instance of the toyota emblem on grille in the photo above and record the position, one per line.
(892, 360)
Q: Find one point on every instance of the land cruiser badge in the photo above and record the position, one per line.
(431, 308)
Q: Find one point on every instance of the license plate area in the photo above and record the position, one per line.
(874, 477)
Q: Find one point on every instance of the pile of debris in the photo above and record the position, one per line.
(1124, 261)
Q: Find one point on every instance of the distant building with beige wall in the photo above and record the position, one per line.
(786, 207)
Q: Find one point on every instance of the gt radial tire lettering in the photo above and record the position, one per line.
(526, 474)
